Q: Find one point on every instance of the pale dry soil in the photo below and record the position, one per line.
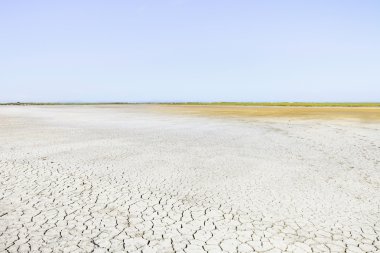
(140, 179)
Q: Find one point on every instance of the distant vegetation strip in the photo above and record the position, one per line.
(300, 104)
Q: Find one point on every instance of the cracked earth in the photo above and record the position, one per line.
(133, 179)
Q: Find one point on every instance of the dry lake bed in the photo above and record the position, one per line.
(149, 178)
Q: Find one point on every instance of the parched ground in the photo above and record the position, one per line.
(152, 179)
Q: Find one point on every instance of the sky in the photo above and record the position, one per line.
(189, 50)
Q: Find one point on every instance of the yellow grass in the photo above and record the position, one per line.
(359, 113)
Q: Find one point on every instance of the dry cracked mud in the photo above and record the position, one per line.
(134, 179)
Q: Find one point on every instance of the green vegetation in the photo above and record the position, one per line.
(300, 104)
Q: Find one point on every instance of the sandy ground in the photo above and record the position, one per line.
(142, 179)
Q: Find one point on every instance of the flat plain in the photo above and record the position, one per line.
(189, 178)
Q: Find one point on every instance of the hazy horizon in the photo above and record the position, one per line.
(190, 51)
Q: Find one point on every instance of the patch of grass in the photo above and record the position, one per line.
(365, 113)
(302, 104)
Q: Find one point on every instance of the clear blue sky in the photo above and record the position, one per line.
(189, 50)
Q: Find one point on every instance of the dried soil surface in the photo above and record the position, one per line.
(145, 178)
